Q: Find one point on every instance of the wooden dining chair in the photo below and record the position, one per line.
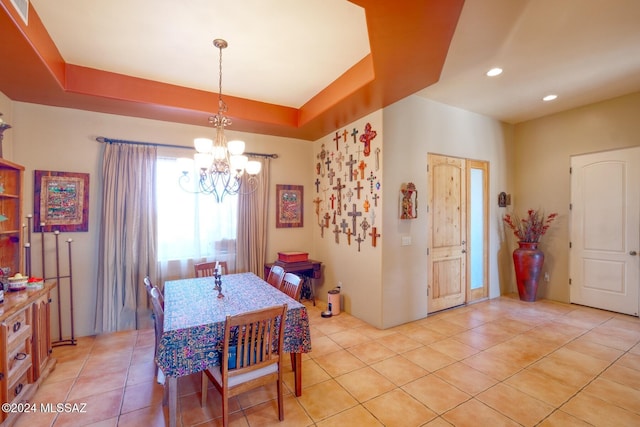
(276, 274)
(292, 285)
(158, 325)
(249, 359)
(205, 269)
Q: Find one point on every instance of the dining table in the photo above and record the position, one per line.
(194, 318)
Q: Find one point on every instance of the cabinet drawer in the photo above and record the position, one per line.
(16, 325)
(18, 361)
(18, 388)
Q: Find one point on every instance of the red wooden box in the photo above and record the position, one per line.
(293, 256)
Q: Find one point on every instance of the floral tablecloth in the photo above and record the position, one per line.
(194, 320)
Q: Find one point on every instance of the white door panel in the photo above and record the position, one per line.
(605, 230)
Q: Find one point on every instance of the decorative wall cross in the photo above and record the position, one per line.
(349, 195)
(366, 204)
(317, 202)
(372, 215)
(323, 155)
(373, 235)
(344, 225)
(365, 226)
(331, 174)
(328, 163)
(359, 240)
(354, 134)
(354, 214)
(332, 198)
(337, 139)
(378, 158)
(326, 217)
(350, 163)
(336, 232)
(339, 186)
(339, 159)
(349, 233)
(358, 188)
(317, 183)
(371, 179)
(344, 135)
(375, 198)
(366, 138)
(362, 166)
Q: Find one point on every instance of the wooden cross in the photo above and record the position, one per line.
(375, 198)
(334, 218)
(365, 226)
(339, 159)
(366, 138)
(326, 217)
(378, 158)
(373, 235)
(317, 202)
(332, 198)
(336, 231)
(344, 135)
(362, 166)
(344, 225)
(331, 174)
(350, 163)
(366, 204)
(358, 188)
(349, 233)
(354, 134)
(317, 185)
(338, 187)
(371, 179)
(359, 240)
(354, 214)
(337, 139)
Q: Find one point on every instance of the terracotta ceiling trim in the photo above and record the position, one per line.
(409, 42)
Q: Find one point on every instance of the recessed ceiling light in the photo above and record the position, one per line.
(494, 72)
(549, 97)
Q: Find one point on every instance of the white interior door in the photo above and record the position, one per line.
(605, 230)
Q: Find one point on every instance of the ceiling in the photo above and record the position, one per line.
(304, 69)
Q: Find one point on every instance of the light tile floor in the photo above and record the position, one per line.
(496, 363)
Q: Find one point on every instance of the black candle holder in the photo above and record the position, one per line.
(218, 281)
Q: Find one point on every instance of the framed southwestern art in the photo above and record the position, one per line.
(289, 207)
(61, 201)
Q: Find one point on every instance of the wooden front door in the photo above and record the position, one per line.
(447, 232)
(605, 230)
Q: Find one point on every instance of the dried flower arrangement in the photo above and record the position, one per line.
(530, 228)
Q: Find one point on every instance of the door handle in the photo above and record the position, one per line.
(634, 253)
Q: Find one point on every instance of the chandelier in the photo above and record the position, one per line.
(221, 164)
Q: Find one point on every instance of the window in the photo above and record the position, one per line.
(191, 227)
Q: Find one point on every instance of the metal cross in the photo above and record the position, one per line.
(350, 163)
(344, 225)
(359, 240)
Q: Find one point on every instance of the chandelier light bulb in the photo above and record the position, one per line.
(203, 145)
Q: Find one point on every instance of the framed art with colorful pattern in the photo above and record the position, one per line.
(289, 206)
(61, 201)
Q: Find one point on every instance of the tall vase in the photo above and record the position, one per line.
(528, 260)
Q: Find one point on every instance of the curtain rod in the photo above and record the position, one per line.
(104, 140)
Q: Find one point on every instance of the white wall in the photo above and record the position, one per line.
(61, 139)
(358, 270)
(414, 127)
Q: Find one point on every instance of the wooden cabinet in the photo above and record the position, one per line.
(11, 248)
(25, 346)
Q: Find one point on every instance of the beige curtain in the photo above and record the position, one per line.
(127, 247)
(252, 224)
